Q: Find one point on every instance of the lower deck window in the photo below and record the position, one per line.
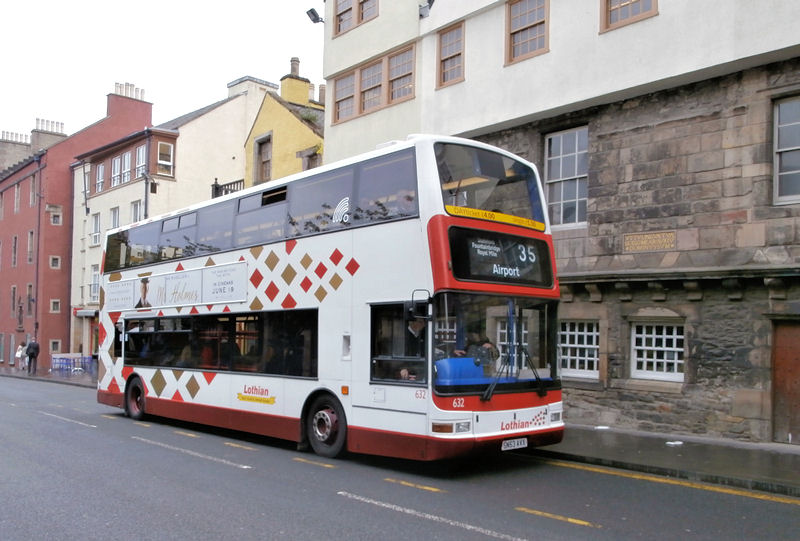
(280, 343)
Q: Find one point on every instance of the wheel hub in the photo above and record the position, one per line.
(325, 424)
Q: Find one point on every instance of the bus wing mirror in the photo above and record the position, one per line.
(418, 308)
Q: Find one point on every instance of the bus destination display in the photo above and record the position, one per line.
(497, 257)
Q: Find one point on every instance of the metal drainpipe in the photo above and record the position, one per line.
(146, 174)
(37, 262)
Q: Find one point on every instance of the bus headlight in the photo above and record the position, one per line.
(463, 426)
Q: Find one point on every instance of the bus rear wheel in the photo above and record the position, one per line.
(326, 426)
(134, 399)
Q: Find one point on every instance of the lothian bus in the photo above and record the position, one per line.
(400, 303)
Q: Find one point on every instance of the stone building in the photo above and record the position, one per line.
(667, 135)
(687, 272)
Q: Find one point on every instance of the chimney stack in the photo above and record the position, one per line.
(129, 90)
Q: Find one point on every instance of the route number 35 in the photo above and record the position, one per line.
(527, 254)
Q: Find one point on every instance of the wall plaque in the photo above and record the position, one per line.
(649, 242)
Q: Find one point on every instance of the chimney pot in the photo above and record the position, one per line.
(322, 94)
(295, 66)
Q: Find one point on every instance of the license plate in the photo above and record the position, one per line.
(516, 443)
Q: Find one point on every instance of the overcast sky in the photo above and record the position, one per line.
(60, 58)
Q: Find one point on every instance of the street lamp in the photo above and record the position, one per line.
(314, 16)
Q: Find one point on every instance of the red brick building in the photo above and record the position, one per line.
(36, 220)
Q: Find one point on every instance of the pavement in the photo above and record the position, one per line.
(766, 467)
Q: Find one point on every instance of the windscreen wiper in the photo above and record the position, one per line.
(540, 390)
(487, 394)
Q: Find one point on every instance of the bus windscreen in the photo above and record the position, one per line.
(484, 184)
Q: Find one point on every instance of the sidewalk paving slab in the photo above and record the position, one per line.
(767, 467)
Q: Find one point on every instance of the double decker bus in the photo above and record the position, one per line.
(400, 303)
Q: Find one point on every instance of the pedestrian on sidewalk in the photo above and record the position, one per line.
(19, 355)
(33, 352)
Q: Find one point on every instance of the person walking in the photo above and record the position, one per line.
(33, 353)
(19, 356)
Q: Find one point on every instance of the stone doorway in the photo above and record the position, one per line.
(786, 382)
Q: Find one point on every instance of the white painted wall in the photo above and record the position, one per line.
(688, 41)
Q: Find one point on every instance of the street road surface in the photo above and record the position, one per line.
(74, 469)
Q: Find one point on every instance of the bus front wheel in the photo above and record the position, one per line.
(134, 399)
(326, 426)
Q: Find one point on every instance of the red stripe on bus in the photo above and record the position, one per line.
(498, 402)
(419, 447)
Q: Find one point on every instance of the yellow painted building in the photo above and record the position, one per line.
(287, 135)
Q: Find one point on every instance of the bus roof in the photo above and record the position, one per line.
(381, 149)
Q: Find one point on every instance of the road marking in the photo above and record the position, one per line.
(557, 517)
(68, 420)
(413, 485)
(240, 446)
(193, 453)
(106, 416)
(678, 482)
(428, 516)
(314, 463)
(139, 423)
(187, 434)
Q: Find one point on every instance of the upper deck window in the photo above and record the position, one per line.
(478, 179)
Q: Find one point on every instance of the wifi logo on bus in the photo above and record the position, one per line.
(341, 213)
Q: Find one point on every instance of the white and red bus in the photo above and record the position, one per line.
(400, 303)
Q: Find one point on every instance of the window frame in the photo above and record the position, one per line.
(658, 375)
(590, 333)
(99, 181)
(354, 11)
(442, 57)
(31, 240)
(113, 218)
(548, 182)
(511, 33)
(94, 284)
(116, 171)
(136, 210)
(94, 234)
(606, 8)
(384, 86)
(166, 167)
(126, 167)
(263, 165)
(141, 161)
(778, 152)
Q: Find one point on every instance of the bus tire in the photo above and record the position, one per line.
(134, 399)
(326, 426)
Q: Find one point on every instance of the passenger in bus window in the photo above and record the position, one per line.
(415, 338)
